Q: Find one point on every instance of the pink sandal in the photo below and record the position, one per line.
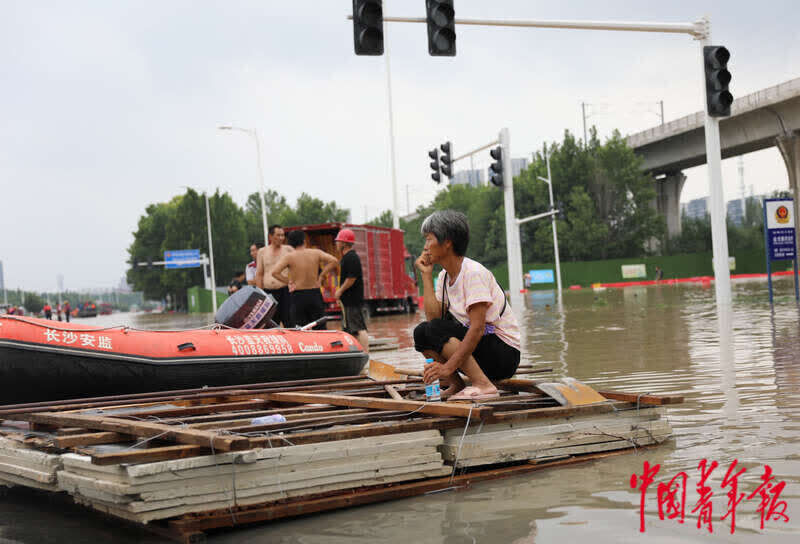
(474, 394)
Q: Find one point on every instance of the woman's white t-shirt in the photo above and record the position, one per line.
(475, 283)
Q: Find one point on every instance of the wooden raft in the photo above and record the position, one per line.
(191, 460)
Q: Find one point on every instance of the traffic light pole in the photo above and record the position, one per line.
(719, 231)
(513, 248)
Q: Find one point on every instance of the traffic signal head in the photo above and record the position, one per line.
(496, 168)
(447, 160)
(135, 263)
(441, 19)
(149, 263)
(368, 27)
(718, 98)
(434, 154)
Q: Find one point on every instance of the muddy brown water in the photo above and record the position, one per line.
(739, 371)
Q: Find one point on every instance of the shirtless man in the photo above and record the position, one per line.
(304, 268)
(277, 287)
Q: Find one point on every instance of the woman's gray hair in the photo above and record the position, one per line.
(448, 225)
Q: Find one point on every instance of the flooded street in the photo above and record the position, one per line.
(739, 372)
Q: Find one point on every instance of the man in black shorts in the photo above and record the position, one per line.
(266, 258)
(350, 293)
(304, 265)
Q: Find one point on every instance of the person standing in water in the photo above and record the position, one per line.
(304, 265)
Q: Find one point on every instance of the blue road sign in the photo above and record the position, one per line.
(541, 276)
(182, 258)
(779, 221)
(779, 237)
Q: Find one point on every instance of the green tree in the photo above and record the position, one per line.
(148, 241)
(385, 219)
(310, 210)
(278, 211)
(181, 224)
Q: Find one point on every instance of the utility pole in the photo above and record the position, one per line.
(583, 110)
(553, 224)
(662, 112)
(211, 254)
(742, 189)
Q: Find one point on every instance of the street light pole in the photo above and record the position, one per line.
(254, 133)
(549, 181)
(210, 250)
(211, 254)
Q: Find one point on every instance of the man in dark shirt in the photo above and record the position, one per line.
(350, 293)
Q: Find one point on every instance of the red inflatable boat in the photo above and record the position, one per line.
(45, 360)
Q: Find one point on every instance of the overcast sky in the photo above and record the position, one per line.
(110, 106)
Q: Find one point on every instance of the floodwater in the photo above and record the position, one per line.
(738, 370)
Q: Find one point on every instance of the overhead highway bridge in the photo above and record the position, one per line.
(766, 118)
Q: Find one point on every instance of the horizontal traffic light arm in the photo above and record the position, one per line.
(474, 151)
(538, 216)
(698, 29)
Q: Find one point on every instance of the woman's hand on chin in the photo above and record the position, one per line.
(423, 264)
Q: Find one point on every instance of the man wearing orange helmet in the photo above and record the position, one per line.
(350, 293)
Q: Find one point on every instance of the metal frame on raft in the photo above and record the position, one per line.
(338, 442)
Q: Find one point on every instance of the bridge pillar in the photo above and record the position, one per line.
(789, 145)
(668, 201)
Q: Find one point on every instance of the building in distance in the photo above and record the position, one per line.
(478, 177)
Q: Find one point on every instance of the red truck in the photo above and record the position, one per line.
(390, 283)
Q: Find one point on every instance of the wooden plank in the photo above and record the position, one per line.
(361, 431)
(311, 504)
(556, 411)
(643, 399)
(166, 453)
(201, 409)
(200, 421)
(519, 384)
(244, 418)
(161, 396)
(149, 455)
(90, 439)
(318, 421)
(433, 408)
(393, 392)
(145, 429)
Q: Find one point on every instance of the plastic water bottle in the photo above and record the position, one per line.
(433, 392)
(265, 420)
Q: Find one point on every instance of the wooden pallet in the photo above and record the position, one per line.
(191, 460)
